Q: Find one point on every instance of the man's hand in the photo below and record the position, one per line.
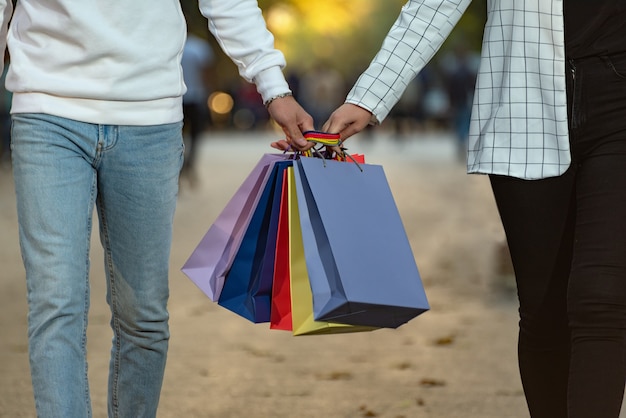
(294, 120)
(348, 120)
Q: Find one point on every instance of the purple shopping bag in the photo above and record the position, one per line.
(208, 264)
(247, 289)
(360, 263)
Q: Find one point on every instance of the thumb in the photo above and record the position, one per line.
(295, 136)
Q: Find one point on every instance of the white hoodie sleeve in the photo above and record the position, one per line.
(241, 31)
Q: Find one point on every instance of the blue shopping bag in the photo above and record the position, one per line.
(360, 263)
(248, 286)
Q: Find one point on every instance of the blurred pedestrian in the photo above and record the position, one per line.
(197, 59)
(408, 114)
(5, 117)
(248, 111)
(321, 90)
(461, 81)
(97, 120)
(548, 127)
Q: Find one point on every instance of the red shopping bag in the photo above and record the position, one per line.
(280, 316)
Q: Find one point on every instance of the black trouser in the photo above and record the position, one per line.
(567, 237)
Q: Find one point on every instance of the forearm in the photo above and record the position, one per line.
(240, 29)
(415, 37)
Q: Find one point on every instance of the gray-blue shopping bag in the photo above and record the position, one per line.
(361, 266)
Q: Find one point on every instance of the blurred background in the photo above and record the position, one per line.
(327, 44)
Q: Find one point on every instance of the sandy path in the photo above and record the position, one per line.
(457, 360)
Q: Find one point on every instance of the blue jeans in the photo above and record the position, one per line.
(61, 169)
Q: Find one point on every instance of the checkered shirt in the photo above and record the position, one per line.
(519, 122)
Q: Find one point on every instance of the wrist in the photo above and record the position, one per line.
(278, 96)
(271, 82)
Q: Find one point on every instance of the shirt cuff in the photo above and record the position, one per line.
(271, 83)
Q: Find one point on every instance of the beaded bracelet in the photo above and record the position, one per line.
(279, 96)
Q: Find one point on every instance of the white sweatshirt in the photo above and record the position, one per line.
(118, 61)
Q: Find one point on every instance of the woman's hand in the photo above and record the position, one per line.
(348, 120)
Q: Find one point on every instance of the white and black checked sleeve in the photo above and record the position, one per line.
(414, 38)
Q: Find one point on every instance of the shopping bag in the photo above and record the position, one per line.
(265, 284)
(303, 321)
(248, 285)
(360, 264)
(213, 256)
(280, 312)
